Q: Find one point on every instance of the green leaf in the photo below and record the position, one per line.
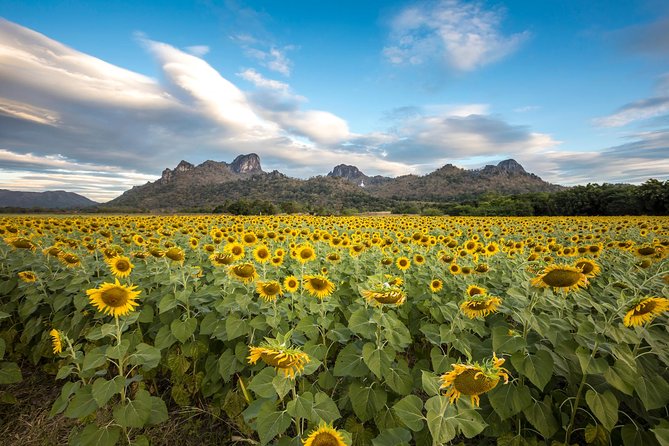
(655, 394)
(93, 435)
(604, 406)
(440, 427)
(146, 356)
(633, 437)
(271, 424)
(398, 378)
(3, 347)
(302, 407)
(661, 432)
(158, 411)
(282, 384)
(538, 367)
(591, 366)
(366, 401)
(83, 403)
(621, 376)
(540, 415)
(392, 437)
(95, 358)
(134, 413)
(431, 383)
(235, 327)
(261, 384)
(164, 338)
(325, 408)
(502, 342)
(596, 435)
(10, 373)
(103, 390)
(509, 399)
(118, 351)
(349, 362)
(183, 330)
(167, 303)
(409, 410)
(377, 360)
(227, 364)
(361, 324)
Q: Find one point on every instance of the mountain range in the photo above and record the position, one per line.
(56, 199)
(211, 183)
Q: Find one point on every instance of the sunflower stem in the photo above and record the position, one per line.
(570, 426)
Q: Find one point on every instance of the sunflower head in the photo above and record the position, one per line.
(304, 253)
(269, 290)
(28, 276)
(473, 379)
(474, 290)
(221, 259)
(403, 263)
(291, 284)
(436, 285)
(318, 286)
(114, 299)
(56, 341)
(560, 277)
(68, 259)
(480, 305)
(588, 267)
(262, 254)
(120, 266)
(246, 272)
(20, 243)
(288, 360)
(644, 310)
(385, 295)
(324, 435)
(175, 254)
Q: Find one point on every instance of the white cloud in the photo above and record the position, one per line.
(463, 34)
(272, 58)
(198, 50)
(259, 81)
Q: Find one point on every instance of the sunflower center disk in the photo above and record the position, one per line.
(271, 289)
(644, 308)
(245, 271)
(319, 284)
(585, 267)
(467, 383)
(646, 251)
(325, 439)
(114, 297)
(122, 266)
(560, 278)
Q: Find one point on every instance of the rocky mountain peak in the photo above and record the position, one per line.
(168, 174)
(347, 172)
(246, 164)
(510, 166)
(183, 166)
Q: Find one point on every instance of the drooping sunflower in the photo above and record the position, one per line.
(291, 284)
(436, 285)
(385, 294)
(221, 259)
(269, 290)
(20, 243)
(474, 379)
(56, 341)
(28, 276)
(51, 251)
(68, 259)
(120, 266)
(480, 305)
(319, 286)
(560, 277)
(114, 299)
(324, 435)
(288, 360)
(175, 254)
(645, 310)
(403, 263)
(588, 267)
(246, 272)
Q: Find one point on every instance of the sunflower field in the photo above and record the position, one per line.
(316, 331)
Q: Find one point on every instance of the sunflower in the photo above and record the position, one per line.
(262, 254)
(473, 290)
(419, 259)
(480, 305)
(393, 280)
(491, 249)
(482, 268)
(68, 259)
(269, 290)
(304, 253)
(28, 276)
(277, 261)
(249, 238)
(113, 298)
(51, 251)
(645, 251)
(291, 284)
(221, 259)
(588, 267)
(245, 272)
(120, 266)
(436, 285)
(403, 263)
(454, 269)
(236, 249)
(560, 277)
(645, 310)
(20, 243)
(318, 286)
(333, 257)
(385, 294)
(138, 240)
(288, 360)
(325, 435)
(56, 341)
(473, 379)
(175, 254)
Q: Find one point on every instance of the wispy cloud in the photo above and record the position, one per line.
(465, 35)
(649, 39)
(198, 50)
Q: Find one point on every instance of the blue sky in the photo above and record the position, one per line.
(96, 97)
